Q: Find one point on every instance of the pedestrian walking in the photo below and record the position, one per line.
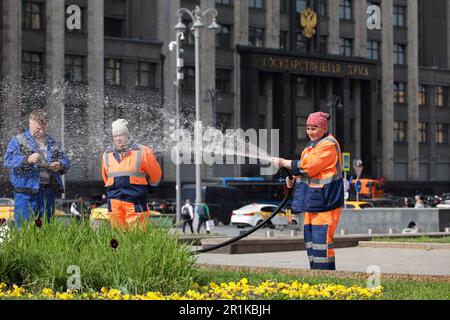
(187, 215)
(203, 216)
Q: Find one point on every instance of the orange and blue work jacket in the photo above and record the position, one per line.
(319, 185)
(130, 175)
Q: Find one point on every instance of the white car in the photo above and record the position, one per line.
(254, 214)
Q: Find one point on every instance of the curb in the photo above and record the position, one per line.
(404, 245)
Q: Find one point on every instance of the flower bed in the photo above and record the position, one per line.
(241, 290)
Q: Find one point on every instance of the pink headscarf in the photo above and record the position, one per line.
(319, 119)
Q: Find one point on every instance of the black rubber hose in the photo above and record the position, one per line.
(229, 241)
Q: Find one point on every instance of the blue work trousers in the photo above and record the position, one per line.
(31, 206)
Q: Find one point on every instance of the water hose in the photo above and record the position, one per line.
(249, 232)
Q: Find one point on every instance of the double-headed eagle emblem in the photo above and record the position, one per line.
(308, 20)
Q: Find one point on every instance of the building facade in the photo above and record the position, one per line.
(259, 71)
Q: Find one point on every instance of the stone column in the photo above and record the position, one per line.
(11, 68)
(55, 67)
(240, 35)
(387, 71)
(10, 113)
(360, 15)
(333, 27)
(273, 24)
(413, 84)
(357, 133)
(207, 73)
(431, 101)
(95, 98)
(167, 19)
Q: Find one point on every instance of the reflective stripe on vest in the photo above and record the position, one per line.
(328, 180)
(136, 173)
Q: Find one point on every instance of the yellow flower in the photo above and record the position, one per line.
(48, 293)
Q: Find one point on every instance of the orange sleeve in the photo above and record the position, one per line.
(105, 177)
(151, 166)
(321, 157)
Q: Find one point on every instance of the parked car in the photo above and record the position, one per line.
(358, 205)
(445, 198)
(7, 209)
(384, 202)
(254, 214)
(220, 200)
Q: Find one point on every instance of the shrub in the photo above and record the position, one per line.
(149, 259)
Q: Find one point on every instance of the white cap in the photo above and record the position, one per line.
(120, 126)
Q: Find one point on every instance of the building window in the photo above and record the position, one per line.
(189, 80)
(145, 75)
(225, 2)
(441, 96)
(399, 131)
(74, 69)
(33, 14)
(323, 44)
(284, 40)
(284, 5)
(441, 133)
(302, 87)
(113, 72)
(300, 5)
(422, 95)
(301, 43)
(423, 132)
(399, 92)
(399, 16)
(322, 8)
(223, 37)
(373, 50)
(224, 120)
(113, 27)
(258, 4)
(31, 65)
(223, 80)
(256, 37)
(301, 128)
(83, 21)
(346, 47)
(399, 54)
(345, 9)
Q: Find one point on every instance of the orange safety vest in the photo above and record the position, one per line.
(319, 184)
(138, 163)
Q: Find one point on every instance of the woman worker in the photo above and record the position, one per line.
(319, 191)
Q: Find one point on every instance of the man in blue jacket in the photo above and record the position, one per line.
(37, 164)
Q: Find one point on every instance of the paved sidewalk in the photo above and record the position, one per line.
(357, 259)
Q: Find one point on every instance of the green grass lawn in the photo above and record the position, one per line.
(394, 289)
(415, 239)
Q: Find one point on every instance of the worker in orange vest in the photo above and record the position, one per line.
(319, 191)
(129, 171)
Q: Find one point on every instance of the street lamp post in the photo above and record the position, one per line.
(177, 84)
(334, 103)
(196, 17)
